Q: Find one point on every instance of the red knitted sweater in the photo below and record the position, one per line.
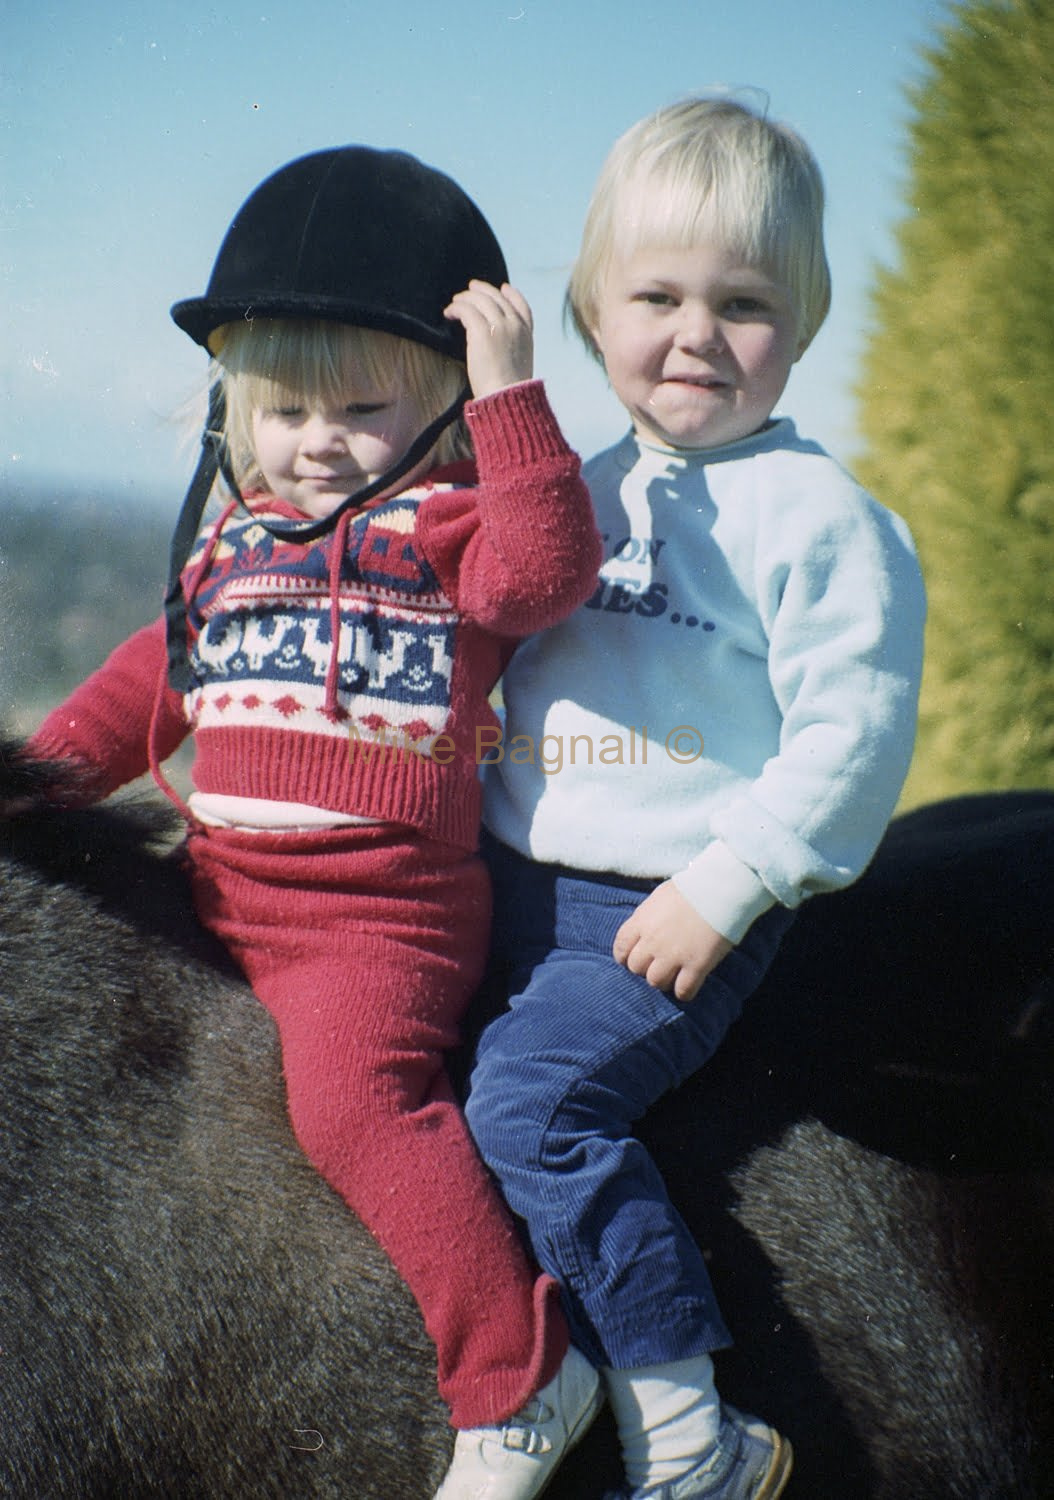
(353, 673)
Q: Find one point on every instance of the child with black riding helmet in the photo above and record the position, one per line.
(332, 636)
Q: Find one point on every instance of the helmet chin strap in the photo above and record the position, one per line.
(214, 459)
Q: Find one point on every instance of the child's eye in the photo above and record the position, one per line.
(364, 408)
(747, 307)
(654, 298)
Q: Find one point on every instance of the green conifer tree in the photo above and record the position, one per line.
(957, 394)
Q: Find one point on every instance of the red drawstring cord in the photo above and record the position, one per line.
(337, 546)
(193, 584)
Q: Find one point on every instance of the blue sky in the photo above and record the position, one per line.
(132, 132)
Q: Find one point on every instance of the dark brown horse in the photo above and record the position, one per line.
(186, 1310)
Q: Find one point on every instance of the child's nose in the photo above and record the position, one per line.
(321, 434)
(698, 329)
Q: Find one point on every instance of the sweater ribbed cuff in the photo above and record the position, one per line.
(515, 426)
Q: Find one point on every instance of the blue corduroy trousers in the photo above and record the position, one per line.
(583, 1050)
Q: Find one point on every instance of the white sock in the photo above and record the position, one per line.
(667, 1415)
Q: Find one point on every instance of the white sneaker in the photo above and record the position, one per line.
(517, 1460)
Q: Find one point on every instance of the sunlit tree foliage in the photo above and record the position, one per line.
(957, 393)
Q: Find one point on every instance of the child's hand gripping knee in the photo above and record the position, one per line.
(669, 943)
(499, 337)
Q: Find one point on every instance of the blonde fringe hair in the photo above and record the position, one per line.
(703, 170)
(274, 362)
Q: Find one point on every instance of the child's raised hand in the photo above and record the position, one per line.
(499, 335)
(669, 943)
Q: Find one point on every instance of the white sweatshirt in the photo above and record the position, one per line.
(735, 707)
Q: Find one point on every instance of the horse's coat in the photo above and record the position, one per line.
(186, 1310)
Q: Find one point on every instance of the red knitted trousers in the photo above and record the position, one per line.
(365, 944)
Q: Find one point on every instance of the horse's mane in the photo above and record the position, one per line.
(122, 853)
(44, 820)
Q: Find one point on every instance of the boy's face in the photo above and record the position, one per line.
(697, 346)
(315, 457)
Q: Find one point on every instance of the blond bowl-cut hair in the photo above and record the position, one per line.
(268, 363)
(708, 170)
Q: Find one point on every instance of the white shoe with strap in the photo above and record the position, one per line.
(516, 1459)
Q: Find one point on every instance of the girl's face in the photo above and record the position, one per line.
(314, 456)
(697, 346)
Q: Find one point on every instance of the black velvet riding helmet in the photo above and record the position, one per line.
(354, 235)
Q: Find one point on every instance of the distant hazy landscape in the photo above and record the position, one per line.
(79, 571)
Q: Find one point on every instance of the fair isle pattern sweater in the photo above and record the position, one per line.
(352, 673)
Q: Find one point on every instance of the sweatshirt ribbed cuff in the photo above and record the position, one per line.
(724, 891)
